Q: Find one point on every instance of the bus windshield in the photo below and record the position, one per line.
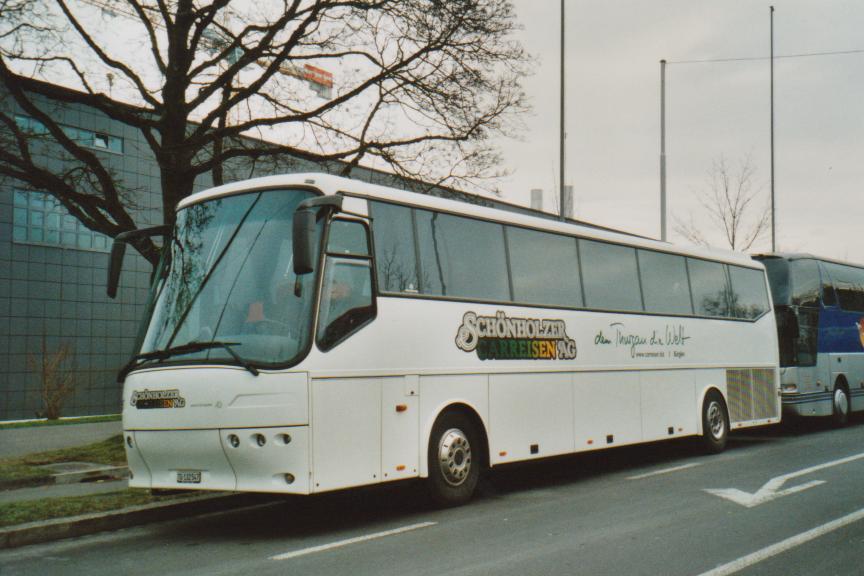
(228, 277)
(795, 287)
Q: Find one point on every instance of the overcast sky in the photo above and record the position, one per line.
(613, 111)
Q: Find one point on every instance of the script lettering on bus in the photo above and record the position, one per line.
(500, 337)
(658, 344)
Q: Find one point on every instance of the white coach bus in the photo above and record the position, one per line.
(310, 333)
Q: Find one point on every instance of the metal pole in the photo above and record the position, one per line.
(561, 146)
(663, 150)
(773, 220)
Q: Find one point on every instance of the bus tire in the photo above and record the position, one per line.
(715, 423)
(455, 459)
(840, 405)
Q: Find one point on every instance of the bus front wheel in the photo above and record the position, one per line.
(840, 406)
(454, 459)
(715, 423)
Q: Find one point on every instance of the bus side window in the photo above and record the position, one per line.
(848, 284)
(347, 300)
(829, 296)
(395, 255)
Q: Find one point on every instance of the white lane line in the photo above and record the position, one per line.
(783, 546)
(350, 541)
(664, 471)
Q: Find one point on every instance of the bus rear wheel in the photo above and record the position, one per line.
(455, 459)
(715, 423)
(840, 406)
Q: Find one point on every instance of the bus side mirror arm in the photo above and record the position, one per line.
(303, 229)
(118, 250)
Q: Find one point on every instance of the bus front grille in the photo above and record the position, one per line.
(751, 393)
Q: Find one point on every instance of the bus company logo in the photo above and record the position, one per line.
(502, 338)
(150, 399)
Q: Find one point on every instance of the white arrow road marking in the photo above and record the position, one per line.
(772, 489)
(350, 541)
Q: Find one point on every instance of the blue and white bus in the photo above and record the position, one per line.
(819, 305)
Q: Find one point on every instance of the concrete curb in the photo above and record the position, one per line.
(108, 472)
(57, 529)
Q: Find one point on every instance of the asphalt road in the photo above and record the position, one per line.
(789, 501)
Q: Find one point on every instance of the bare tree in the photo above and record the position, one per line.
(731, 201)
(423, 85)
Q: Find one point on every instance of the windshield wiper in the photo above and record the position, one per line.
(187, 348)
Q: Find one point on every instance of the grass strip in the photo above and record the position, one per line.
(61, 422)
(50, 508)
(24, 469)
(108, 451)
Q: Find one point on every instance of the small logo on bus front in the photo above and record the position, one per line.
(150, 399)
(501, 337)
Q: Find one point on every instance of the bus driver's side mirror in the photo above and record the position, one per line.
(118, 250)
(304, 238)
(303, 230)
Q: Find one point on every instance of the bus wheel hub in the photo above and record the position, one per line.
(454, 456)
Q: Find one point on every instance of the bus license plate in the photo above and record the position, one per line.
(189, 477)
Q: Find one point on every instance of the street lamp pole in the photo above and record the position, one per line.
(561, 214)
(663, 150)
(773, 220)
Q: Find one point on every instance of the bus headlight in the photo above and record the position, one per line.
(790, 388)
(234, 440)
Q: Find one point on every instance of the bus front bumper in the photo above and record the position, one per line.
(272, 459)
(812, 404)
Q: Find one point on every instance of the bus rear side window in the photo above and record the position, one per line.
(664, 283)
(462, 257)
(848, 285)
(610, 276)
(748, 297)
(545, 268)
(395, 257)
(709, 286)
